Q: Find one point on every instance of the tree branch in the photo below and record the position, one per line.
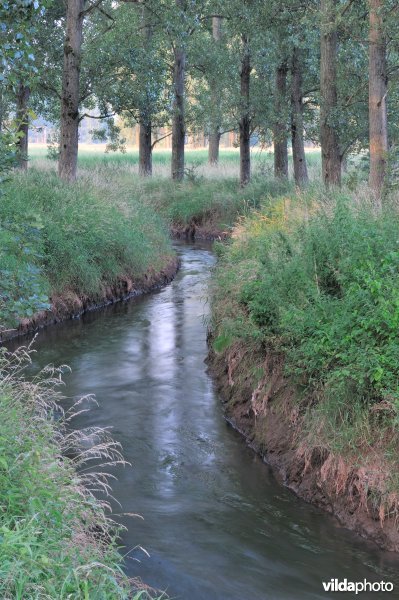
(96, 116)
(154, 143)
(91, 7)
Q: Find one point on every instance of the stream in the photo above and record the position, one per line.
(216, 524)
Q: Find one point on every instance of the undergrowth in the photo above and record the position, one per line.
(56, 237)
(213, 203)
(55, 536)
(316, 277)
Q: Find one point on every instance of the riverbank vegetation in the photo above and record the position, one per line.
(59, 239)
(313, 278)
(310, 273)
(56, 540)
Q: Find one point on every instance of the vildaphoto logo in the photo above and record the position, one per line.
(335, 585)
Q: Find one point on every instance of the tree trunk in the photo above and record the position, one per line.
(298, 148)
(245, 120)
(1, 108)
(178, 123)
(69, 136)
(213, 149)
(23, 126)
(280, 126)
(330, 152)
(214, 136)
(377, 99)
(145, 147)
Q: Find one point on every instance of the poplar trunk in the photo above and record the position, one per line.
(330, 152)
(378, 136)
(23, 126)
(298, 146)
(214, 136)
(69, 135)
(145, 148)
(245, 120)
(178, 120)
(145, 123)
(280, 126)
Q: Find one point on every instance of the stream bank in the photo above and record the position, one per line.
(306, 352)
(269, 413)
(71, 305)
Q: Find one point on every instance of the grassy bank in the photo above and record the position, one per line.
(56, 540)
(209, 197)
(314, 278)
(58, 239)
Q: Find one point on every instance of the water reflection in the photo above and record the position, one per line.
(216, 524)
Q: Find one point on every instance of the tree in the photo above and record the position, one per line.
(145, 117)
(330, 151)
(298, 148)
(69, 135)
(245, 115)
(378, 125)
(280, 126)
(17, 68)
(22, 114)
(178, 122)
(215, 128)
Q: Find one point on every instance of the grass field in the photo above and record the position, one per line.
(93, 156)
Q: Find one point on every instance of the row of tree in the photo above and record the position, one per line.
(316, 70)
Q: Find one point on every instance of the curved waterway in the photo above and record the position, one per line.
(217, 526)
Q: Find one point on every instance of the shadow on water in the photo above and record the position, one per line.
(216, 524)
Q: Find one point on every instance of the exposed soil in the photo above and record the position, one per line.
(194, 231)
(71, 305)
(268, 411)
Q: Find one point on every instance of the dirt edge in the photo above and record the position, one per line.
(70, 305)
(264, 409)
(193, 232)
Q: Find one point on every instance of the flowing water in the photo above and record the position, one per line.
(217, 526)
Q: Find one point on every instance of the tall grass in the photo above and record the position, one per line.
(56, 539)
(209, 196)
(315, 277)
(77, 237)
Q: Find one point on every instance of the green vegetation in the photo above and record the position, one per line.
(95, 156)
(212, 203)
(318, 281)
(57, 237)
(56, 540)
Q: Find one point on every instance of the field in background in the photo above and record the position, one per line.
(93, 156)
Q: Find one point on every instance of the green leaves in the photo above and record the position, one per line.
(23, 286)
